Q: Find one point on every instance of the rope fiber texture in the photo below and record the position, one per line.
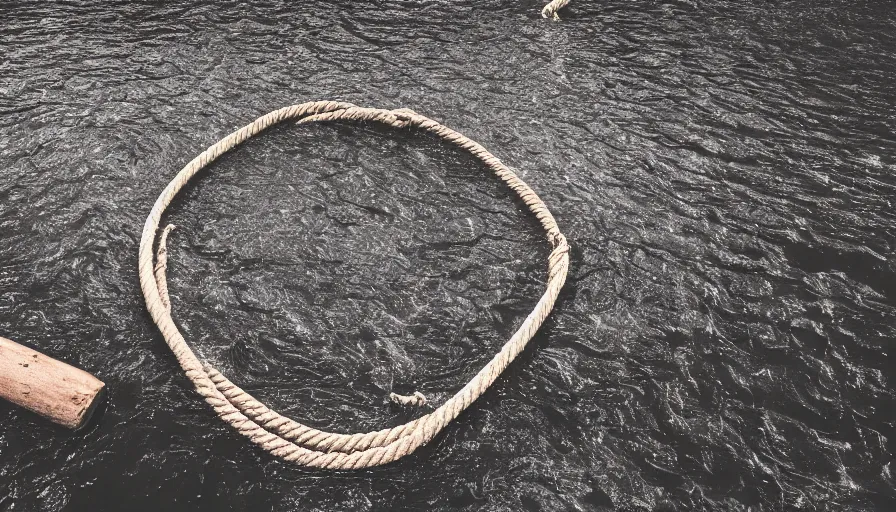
(284, 437)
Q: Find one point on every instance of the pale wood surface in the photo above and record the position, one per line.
(55, 390)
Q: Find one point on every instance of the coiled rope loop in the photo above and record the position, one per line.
(284, 437)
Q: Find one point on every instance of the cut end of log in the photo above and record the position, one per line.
(92, 405)
(55, 390)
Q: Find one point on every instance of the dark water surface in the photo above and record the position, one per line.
(723, 170)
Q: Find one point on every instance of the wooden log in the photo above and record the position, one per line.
(59, 392)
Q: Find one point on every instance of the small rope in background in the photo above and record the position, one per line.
(284, 437)
(551, 10)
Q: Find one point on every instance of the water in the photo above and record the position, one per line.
(724, 172)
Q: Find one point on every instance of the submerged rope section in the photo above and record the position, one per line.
(284, 437)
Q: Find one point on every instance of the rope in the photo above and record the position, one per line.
(284, 437)
(550, 10)
(416, 399)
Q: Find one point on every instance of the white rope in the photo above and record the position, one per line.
(284, 437)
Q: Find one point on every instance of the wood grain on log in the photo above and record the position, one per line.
(55, 390)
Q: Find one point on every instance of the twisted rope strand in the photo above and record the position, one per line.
(287, 438)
